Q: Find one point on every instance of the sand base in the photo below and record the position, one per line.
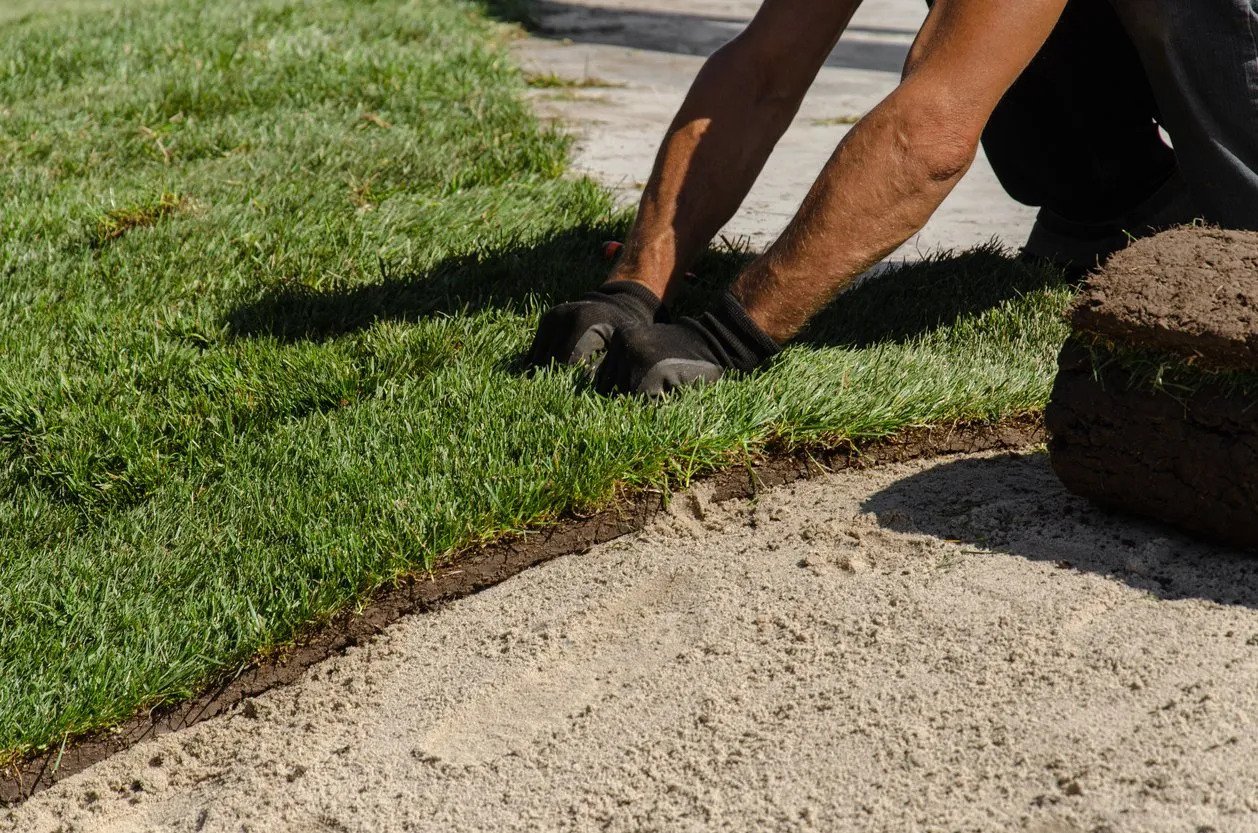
(951, 646)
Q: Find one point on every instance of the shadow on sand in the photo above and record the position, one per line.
(1014, 504)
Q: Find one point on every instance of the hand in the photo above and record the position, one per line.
(653, 359)
(571, 333)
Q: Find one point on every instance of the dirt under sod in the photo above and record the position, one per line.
(1155, 408)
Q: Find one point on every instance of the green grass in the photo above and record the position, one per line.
(268, 268)
(1157, 371)
(551, 81)
(114, 224)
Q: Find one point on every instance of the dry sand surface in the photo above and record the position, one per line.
(955, 645)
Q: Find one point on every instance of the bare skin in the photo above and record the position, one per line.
(881, 185)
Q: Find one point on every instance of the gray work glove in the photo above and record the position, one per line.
(573, 332)
(653, 359)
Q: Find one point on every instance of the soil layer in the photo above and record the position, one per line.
(1187, 458)
(483, 567)
(1189, 291)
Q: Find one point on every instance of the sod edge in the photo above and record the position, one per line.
(485, 566)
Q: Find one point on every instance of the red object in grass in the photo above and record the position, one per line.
(611, 249)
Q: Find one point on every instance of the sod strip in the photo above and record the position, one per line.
(269, 267)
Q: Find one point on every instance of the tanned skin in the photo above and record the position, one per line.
(881, 185)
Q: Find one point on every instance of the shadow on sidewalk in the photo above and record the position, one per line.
(1014, 504)
(879, 49)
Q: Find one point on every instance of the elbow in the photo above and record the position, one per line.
(937, 141)
(943, 159)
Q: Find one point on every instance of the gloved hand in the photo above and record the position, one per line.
(571, 333)
(653, 359)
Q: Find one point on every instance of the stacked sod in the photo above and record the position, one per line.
(1155, 408)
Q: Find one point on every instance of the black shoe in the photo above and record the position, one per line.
(1079, 248)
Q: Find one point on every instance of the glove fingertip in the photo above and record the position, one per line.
(593, 340)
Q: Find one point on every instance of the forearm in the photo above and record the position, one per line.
(896, 166)
(879, 188)
(713, 151)
(740, 105)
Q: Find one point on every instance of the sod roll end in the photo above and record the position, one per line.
(1155, 407)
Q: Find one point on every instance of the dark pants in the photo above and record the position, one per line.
(1076, 133)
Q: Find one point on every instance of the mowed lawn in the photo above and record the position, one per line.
(268, 268)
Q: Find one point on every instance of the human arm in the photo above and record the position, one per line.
(895, 167)
(882, 183)
(737, 109)
(739, 106)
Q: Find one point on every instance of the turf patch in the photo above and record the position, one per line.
(117, 222)
(1153, 410)
(231, 422)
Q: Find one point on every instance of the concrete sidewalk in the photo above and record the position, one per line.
(639, 58)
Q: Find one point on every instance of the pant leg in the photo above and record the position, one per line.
(1075, 134)
(1202, 59)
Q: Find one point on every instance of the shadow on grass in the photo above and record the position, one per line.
(898, 305)
(1014, 504)
(507, 279)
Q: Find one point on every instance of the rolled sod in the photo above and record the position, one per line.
(1155, 406)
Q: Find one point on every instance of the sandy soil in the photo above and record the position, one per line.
(957, 645)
